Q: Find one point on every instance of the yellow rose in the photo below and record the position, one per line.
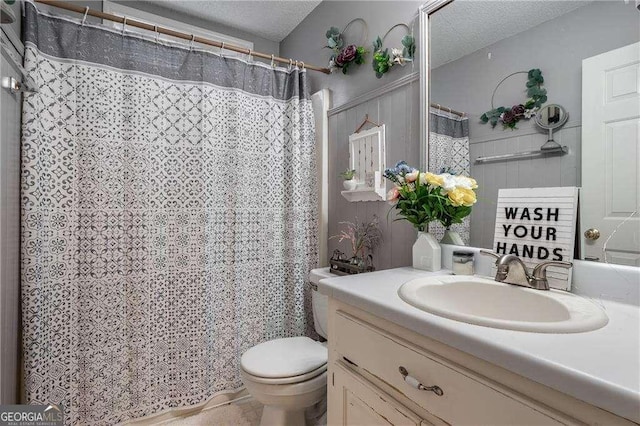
(469, 197)
(462, 197)
(434, 180)
(474, 184)
(455, 196)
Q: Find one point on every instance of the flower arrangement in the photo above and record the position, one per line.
(509, 116)
(363, 237)
(343, 56)
(383, 61)
(421, 197)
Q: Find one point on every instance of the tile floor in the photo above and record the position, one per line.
(245, 412)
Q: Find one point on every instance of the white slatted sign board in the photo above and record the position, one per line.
(367, 153)
(538, 224)
(366, 157)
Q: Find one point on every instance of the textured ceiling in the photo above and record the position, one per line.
(465, 26)
(272, 19)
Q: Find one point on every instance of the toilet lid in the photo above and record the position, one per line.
(291, 356)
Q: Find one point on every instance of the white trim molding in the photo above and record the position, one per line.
(402, 81)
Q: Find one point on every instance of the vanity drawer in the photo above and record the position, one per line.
(465, 399)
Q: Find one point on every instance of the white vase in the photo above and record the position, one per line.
(427, 253)
(452, 237)
(350, 184)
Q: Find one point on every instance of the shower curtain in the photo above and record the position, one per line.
(169, 218)
(449, 152)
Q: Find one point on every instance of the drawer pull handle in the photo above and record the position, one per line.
(415, 383)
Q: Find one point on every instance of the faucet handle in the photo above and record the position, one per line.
(539, 276)
(496, 256)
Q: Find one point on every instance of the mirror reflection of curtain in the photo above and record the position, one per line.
(449, 151)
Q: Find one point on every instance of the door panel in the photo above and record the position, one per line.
(610, 196)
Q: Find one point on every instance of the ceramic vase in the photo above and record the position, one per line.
(350, 184)
(452, 237)
(427, 253)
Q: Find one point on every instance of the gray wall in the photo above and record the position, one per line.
(398, 110)
(557, 47)
(9, 233)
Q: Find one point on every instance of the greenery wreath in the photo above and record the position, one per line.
(343, 56)
(383, 61)
(509, 116)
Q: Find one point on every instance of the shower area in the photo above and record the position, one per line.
(169, 217)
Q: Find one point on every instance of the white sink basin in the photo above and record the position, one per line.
(482, 301)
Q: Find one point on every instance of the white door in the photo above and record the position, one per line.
(610, 156)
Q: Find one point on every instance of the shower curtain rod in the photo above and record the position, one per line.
(190, 37)
(447, 109)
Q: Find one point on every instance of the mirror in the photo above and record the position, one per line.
(538, 94)
(551, 117)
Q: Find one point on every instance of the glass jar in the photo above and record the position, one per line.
(462, 263)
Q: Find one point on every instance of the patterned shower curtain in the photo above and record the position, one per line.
(449, 152)
(169, 218)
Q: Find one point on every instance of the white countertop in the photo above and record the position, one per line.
(601, 367)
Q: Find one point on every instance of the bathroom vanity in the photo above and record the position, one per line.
(390, 362)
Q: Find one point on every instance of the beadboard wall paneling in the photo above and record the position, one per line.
(399, 111)
(521, 173)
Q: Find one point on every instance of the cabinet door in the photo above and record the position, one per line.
(354, 401)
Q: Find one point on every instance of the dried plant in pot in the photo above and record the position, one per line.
(363, 238)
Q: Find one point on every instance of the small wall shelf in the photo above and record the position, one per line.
(366, 157)
(528, 154)
(365, 194)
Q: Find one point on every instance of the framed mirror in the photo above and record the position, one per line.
(587, 104)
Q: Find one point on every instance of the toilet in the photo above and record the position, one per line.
(289, 375)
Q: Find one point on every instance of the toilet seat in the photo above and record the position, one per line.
(285, 361)
(287, 380)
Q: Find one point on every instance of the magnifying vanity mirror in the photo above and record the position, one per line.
(551, 117)
(566, 114)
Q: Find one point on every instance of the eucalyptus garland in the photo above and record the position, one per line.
(509, 116)
(383, 61)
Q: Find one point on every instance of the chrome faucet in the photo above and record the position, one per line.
(512, 270)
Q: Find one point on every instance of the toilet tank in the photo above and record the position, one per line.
(320, 301)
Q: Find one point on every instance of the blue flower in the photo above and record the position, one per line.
(403, 168)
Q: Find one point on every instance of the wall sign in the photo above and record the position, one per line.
(538, 224)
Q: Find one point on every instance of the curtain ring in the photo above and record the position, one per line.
(302, 63)
(84, 18)
(290, 63)
(193, 39)
(272, 61)
(250, 53)
(124, 25)
(155, 29)
(222, 49)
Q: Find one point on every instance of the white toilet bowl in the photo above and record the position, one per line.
(284, 404)
(286, 376)
(289, 375)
